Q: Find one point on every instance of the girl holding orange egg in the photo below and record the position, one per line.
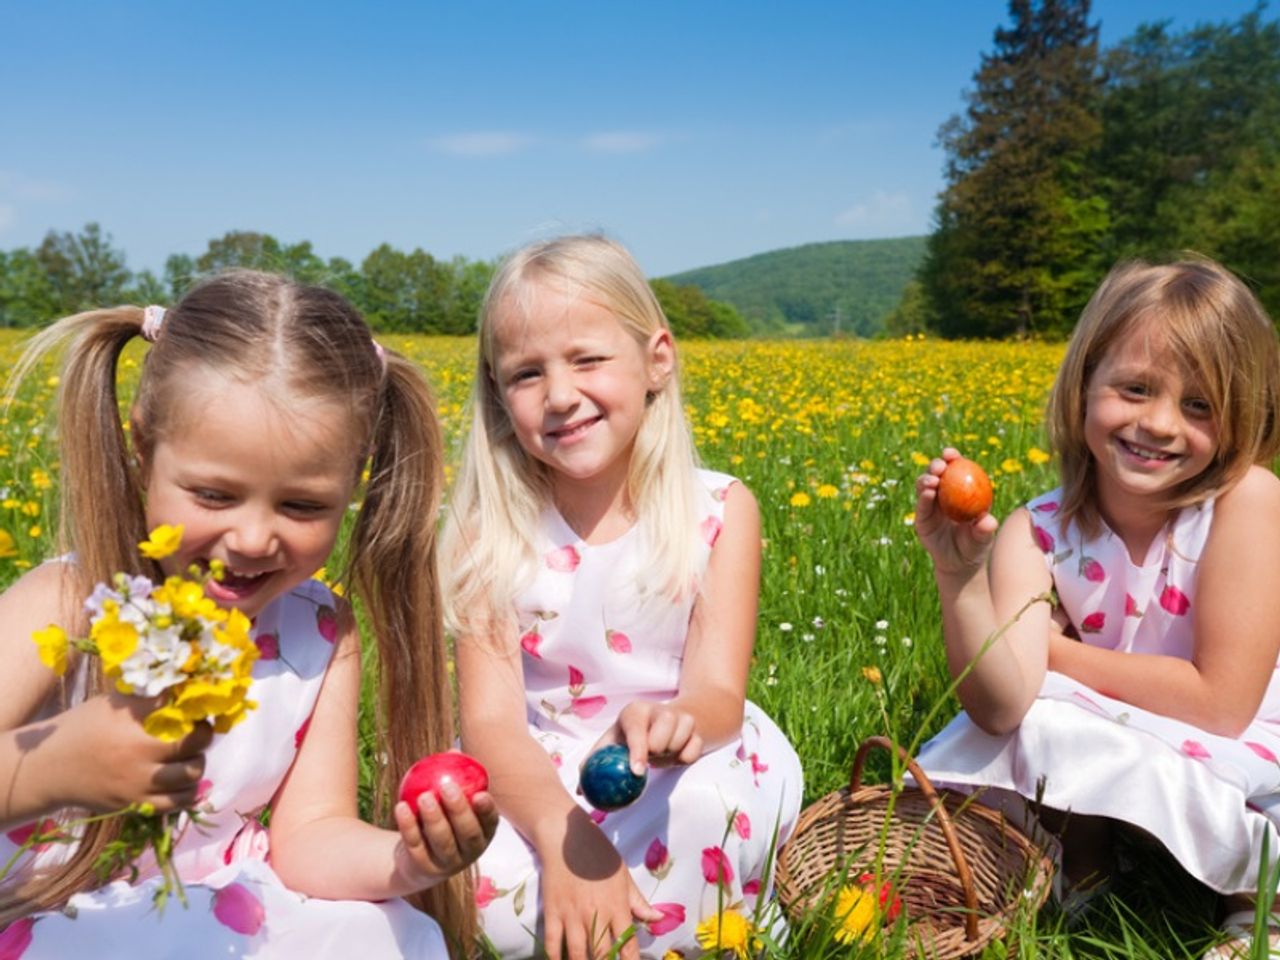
(1115, 639)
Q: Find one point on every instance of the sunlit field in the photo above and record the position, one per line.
(829, 435)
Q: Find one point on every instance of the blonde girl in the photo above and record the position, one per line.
(259, 403)
(1150, 696)
(603, 590)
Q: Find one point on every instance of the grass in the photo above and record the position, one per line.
(829, 435)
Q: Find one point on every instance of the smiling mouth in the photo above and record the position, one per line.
(234, 584)
(1145, 453)
(571, 430)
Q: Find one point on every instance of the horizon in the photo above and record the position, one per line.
(467, 132)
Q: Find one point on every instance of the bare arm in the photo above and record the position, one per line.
(1236, 612)
(982, 588)
(320, 847)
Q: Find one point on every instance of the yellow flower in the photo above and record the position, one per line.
(40, 480)
(728, 930)
(52, 645)
(827, 491)
(162, 542)
(1011, 465)
(919, 459)
(1037, 456)
(800, 499)
(167, 724)
(228, 720)
(197, 699)
(116, 639)
(873, 674)
(856, 911)
(7, 547)
(34, 531)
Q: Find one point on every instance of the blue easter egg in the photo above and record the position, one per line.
(607, 781)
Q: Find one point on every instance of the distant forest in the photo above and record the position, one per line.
(1068, 158)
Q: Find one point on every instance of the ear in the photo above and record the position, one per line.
(660, 354)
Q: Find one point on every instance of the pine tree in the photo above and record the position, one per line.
(1017, 243)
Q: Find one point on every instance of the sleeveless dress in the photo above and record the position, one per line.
(699, 837)
(1209, 800)
(237, 907)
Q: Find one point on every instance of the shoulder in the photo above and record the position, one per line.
(1257, 490)
(48, 589)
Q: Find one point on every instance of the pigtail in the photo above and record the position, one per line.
(102, 520)
(392, 568)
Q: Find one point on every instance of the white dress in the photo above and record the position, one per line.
(1208, 799)
(237, 907)
(699, 836)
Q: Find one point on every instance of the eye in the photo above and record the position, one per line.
(209, 497)
(305, 508)
(591, 360)
(1135, 390)
(1197, 407)
(522, 376)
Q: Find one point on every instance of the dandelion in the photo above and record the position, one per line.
(1010, 465)
(800, 499)
(1037, 456)
(729, 931)
(7, 547)
(873, 674)
(919, 459)
(827, 491)
(855, 912)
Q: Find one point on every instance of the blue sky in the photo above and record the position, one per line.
(696, 132)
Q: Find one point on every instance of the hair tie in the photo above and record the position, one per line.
(382, 355)
(152, 319)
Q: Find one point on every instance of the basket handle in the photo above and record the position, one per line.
(944, 821)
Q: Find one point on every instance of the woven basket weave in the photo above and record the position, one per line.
(959, 868)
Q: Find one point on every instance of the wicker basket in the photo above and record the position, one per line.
(959, 868)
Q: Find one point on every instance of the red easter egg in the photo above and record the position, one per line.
(964, 491)
(431, 771)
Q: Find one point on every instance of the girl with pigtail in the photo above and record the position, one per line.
(259, 404)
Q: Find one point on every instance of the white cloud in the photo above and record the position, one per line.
(880, 211)
(494, 143)
(621, 141)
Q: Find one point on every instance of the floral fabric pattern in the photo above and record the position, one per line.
(594, 638)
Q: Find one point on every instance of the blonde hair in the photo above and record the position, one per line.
(501, 491)
(1220, 334)
(308, 342)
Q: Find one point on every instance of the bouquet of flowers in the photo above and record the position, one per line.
(169, 641)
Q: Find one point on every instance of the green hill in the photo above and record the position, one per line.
(801, 291)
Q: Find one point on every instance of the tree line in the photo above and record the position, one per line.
(397, 292)
(1069, 158)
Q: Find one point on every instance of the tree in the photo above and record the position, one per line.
(179, 274)
(83, 269)
(1017, 244)
(27, 298)
(691, 313)
(241, 248)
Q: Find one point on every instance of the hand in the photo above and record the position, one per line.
(661, 734)
(102, 758)
(443, 838)
(956, 548)
(589, 899)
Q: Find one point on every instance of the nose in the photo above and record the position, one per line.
(253, 534)
(1161, 416)
(561, 393)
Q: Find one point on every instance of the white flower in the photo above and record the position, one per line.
(807, 637)
(885, 542)
(819, 623)
(881, 640)
(819, 569)
(882, 624)
(906, 641)
(785, 627)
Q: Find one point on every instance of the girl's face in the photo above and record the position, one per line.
(259, 487)
(1147, 424)
(575, 382)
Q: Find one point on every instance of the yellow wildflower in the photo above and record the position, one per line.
(728, 930)
(167, 724)
(827, 491)
(919, 459)
(115, 638)
(40, 480)
(7, 546)
(800, 499)
(1037, 456)
(1011, 465)
(162, 542)
(52, 645)
(873, 674)
(856, 911)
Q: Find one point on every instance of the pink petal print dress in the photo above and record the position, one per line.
(237, 907)
(699, 836)
(1208, 799)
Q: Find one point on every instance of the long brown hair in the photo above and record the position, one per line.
(311, 343)
(1216, 328)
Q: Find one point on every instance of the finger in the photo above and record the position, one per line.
(636, 726)
(410, 832)
(486, 811)
(663, 736)
(640, 908)
(437, 829)
(180, 776)
(692, 750)
(194, 743)
(575, 943)
(623, 939)
(553, 936)
(468, 833)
